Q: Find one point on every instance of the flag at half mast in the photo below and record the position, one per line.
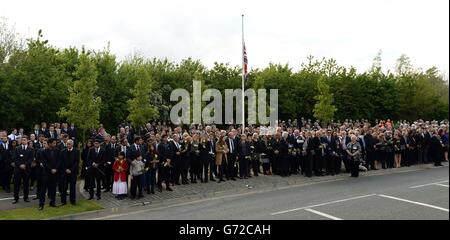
(245, 60)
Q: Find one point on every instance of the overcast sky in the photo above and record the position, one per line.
(351, 31)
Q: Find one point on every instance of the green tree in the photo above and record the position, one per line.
(83, 108)
(324, 109)
(139, 106)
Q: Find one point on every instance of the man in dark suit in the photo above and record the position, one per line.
(165, 154)
(95, 165)
(44, 129)
(6, 169)
(63, 144)
(23, 156)
(69, 159)
(231, 144)
(330, 153)
(51, 163)
(177, 160)
(52, 133)
(110, 149)
(72, 131)
(243, 154)
(212, 153)
(370, 150)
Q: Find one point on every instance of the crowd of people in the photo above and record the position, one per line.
(137, 161)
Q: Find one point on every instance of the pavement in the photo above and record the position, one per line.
(417, 192)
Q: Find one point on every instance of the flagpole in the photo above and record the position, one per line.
(243, 78)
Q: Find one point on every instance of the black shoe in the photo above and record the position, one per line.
(73, 203)
(152, 191)
(107, 190)
(91, 197)
(15, 201)
(178, 183)
(140, 196)
(41, 208)
(234, 179)
(26, 200)
(35, 198)
(169, 189)
(52, 205)
(98, 198)
(159, 189)
(212, 179)
(148, 191)
(63, 203)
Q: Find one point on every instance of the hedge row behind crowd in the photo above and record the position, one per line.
(38, 81)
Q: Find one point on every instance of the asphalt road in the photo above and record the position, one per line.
(415, 194)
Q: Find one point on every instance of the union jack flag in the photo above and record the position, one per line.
(244, 53)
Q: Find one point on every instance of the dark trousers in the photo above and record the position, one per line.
(426, 155)
(164, 175)
(41, 188)
(329, 160)
(32, 176)
(220, 169)
(39, 181)
(337, 164)
(243, 166)
(420, 155)
(51, 180)
(309, 165)
(150, 179)
(382, 157)
(19, 176)
(266, 167)
(230, 172)
(94, 179)
(302, 160)
(370, 160)
(108, 179)
(390, 159)
(255, 165)
(177, 170)
(195, 170)
(6, 176)
(205, 168)
(212, 167)
(295, 164)
(136, 184)
(276, 164)
(354, 168)
(318, 159)
(68, 181)
(284, 165)
(406, 157)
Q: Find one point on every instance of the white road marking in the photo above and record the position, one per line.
(12, 198)
(428, 184)
(442, 185)
(322, 204)
(322, 214)
(414, 202)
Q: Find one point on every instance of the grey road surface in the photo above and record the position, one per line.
(415, 194)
